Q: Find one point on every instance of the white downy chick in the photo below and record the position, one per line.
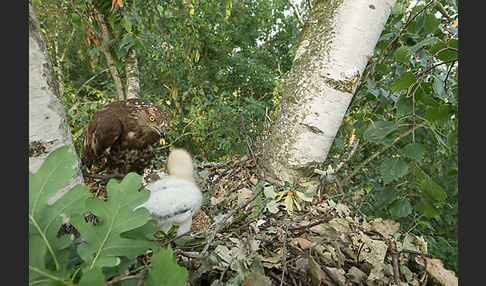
(174, 199)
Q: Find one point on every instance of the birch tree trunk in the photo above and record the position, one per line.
(335, 45)
(131, 70)
(47, 119)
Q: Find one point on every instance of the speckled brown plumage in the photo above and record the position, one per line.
(119, 137)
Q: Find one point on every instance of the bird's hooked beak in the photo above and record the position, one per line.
(160, 130)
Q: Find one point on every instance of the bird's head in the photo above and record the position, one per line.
(153, 117)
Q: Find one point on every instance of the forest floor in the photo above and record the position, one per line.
(249, 232)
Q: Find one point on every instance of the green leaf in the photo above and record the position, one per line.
(403, 82)
(45, 220)
(103, 244)
(402, 54)
(127, 41)
(384, 197)
(415, 151)
(37, 254)
(127, 24)
(94, 50)
(392, 169)
(94, 277)
(438, 114)
(431, 189)
(165, 271)
(404, 106)
(438, 87)
(400, 208)
(431, 23)
(377, 131)
(426, 208)
(447, 55)
(429, 41)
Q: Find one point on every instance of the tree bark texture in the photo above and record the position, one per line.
(336, 43)
(47, 117)
(131, 68)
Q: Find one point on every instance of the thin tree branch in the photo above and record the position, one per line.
(90, 79)
(379, 152)
(105, 47)
(296, 13)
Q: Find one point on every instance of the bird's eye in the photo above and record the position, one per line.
(151, 118)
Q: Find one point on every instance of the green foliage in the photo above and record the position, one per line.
(165, 270)
(104, 246)
(392, 169)
(411, 82)
(47, 251)
(108, 247)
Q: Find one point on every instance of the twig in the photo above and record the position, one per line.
(379, 152)
(284, 256)
(416, 252)
(296, 12)
(359, 252)
(90, 79)
(163, 244)
(247, 138)
(85, 20)
(447, 76)
(224, 272)
(218, 227)
(441, 63)
(346, 159)
(309, 225)
(395, 263)
(105, 177)
(122, 278)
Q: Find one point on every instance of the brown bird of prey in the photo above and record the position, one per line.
(119, 137)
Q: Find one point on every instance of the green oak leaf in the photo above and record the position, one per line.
(46, 249)
(94, 277)
(103, 244)
(165, 270)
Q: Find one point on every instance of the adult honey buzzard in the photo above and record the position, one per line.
(119, 137)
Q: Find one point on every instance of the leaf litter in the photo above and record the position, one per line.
(324, 241)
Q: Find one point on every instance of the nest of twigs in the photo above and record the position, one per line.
(245, 235)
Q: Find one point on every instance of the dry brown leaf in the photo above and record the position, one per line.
(243, 195)
(115, 3)
(435, 267)
(256, 278)
(316, 274)
(386, 227)
(214, 201)
(253, 180)
(302, 242)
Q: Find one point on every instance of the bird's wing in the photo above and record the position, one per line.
(102, 132)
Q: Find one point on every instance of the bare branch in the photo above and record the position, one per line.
(296, 12)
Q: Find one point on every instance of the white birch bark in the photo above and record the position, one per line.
(131, 71)
(336, 43)
(47, 118)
